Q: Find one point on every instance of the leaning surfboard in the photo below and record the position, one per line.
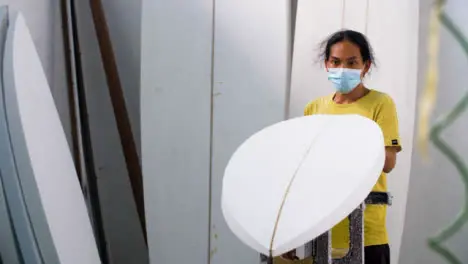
(293, 181)
(45, 169)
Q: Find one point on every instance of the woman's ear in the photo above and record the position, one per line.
(325, 65)
(366, 69)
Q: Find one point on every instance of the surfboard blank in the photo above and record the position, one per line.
(176, 114)
(299, 178)
(397, 75)
(308, 78)
(15, 205)
(355, 13)
(251, 68)
(51, 189)
(8, 245)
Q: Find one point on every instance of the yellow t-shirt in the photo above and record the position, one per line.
(379, 107)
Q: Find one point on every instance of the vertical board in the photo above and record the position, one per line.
(315, 21)
(175, 118)
(308, 77)
(12, 190)
(355, 15)
(251, 75)
(8, 246)
(51, 189)
(396, 75)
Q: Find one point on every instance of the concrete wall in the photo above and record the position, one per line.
(436, 192)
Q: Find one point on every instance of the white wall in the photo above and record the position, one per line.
(436, 192)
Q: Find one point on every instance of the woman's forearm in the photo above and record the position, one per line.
(390, 159)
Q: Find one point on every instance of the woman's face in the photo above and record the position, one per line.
(346, 55)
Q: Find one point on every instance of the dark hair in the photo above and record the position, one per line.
(352, 36)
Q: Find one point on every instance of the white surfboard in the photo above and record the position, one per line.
(8, 246)
(313, 25)
(51, 189)
(308, 77)
(20, 238)
(397, 74)
(175, 127)
(293, 181)
(252, 49)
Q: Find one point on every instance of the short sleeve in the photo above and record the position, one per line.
(309, 109)
(387, 119)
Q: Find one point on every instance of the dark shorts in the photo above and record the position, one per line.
(377, 254)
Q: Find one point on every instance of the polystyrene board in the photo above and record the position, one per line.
(355, 14)
(9, 247)
(53, 195)
(175, 118)
(295, 163)
(251, 67)
(316, 20)
(396, 75)
(308, 76)
(13, 189)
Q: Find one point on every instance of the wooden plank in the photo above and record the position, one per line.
(396, 75)
(176, 114)
(252, 56)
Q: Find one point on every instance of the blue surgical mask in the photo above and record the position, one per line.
(344, 79)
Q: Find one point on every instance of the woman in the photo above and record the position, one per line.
(348, 58)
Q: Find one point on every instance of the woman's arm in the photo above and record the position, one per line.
(388, 121)
(390, 159)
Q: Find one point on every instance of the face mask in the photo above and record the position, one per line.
(344, 79)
